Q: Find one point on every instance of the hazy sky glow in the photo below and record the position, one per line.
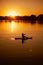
(22, 7)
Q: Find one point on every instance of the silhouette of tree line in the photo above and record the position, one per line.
(32, 18)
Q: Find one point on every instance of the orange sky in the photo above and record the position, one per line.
(22, 7)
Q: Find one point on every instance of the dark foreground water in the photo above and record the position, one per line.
(14, 52)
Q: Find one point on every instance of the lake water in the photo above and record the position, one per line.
(14, 51)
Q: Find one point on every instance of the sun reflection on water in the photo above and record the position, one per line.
(13, 26)
(12, 38)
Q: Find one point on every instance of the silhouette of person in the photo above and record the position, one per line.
(23, 35)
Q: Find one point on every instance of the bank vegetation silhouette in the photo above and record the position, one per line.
(31, 19)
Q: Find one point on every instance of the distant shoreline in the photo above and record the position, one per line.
(31, 18)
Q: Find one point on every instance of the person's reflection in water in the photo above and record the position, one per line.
(22, 41)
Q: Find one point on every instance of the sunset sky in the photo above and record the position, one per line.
(21, 7)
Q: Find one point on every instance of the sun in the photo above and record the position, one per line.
(12, 13)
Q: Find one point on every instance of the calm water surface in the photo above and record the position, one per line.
(14, 51)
